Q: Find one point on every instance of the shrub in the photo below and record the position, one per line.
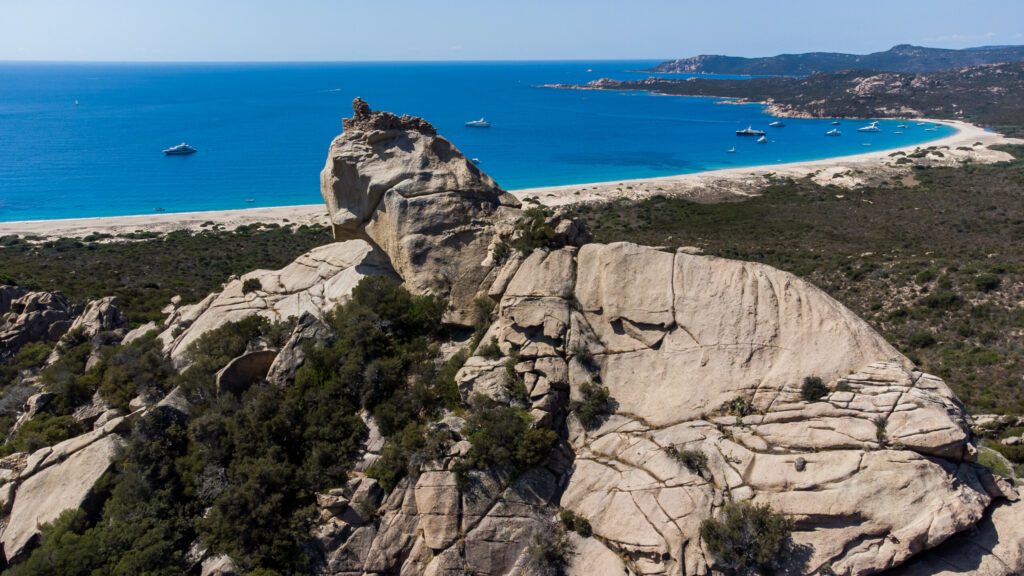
(136, 368)
(813, 389)
(695, 461)
(986, 282)
(746, 538)
(739, 407)
(920, 339)
(942, 300)
(41, 431)
(490, 350)
(532, 231)
(595, 405)
(575, 522)
(548, 553)
(501, 436)
(251, 285)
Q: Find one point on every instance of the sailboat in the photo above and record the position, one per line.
(731, 150)
(834, 132)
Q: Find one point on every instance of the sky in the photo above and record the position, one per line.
(344, 30)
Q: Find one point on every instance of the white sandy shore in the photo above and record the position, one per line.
(709, 186)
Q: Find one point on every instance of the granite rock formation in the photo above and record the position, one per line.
(701, 355)
(394, 182)
(314, 283)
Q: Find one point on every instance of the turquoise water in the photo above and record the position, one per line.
(262, 130)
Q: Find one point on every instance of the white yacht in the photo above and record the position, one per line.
(762, 140)
(481, 123)
(777, 124)
(749, 131)
(182, 149)
(834, 132)
(873, 127)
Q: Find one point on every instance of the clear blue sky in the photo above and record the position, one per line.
(231, 30)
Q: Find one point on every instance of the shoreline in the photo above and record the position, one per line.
(707, 186)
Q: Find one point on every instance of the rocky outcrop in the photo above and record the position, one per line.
(701, 355)
(244, 371)
(100, 323)
(393, 181)
(309, 331)
(56, 479)
(314, 283)
(30, 317)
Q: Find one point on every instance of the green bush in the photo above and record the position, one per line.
(694, 460)
(490, 350)
(251, 285)
(575, 522)
(595, 405)
(136, 368)
(43, 430)
(739, 407)
(502, 436)
(920, 339)
(987, 282)
(813, 389)
(747, 538)
(548, 553)
(532, 231)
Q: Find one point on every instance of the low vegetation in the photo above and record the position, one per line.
(145, 270)
(256, 458)
(813, 389)
(748, 538)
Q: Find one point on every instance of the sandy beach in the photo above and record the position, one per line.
(970, 143)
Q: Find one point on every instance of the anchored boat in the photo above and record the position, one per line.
(481, 123)
(182, 149)
(749, 131)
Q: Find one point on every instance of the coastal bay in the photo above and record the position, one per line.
(967, 143)
(259, 130)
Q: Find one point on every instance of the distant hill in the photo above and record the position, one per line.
(902, 58)
(992, 95)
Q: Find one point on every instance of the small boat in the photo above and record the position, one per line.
(731, 150)
(835, 123)
(159, 209)
(903, 126)
(749, 131)
(590, 69)
(932, 129)
(250, 200)
(873, 127)
(777, 124)
(866, 144)
(762, 140)
(182, 149)
(920, 123)
(898, 132)
(76, 102)
(834, 132)
(474, 160)
(481, 123)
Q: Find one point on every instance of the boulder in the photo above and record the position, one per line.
(314, 283)
(31, 317)
(393, 181)
(43, 496)
(309, 331)
(244, 371)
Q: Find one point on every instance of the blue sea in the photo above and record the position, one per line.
(262, 130)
